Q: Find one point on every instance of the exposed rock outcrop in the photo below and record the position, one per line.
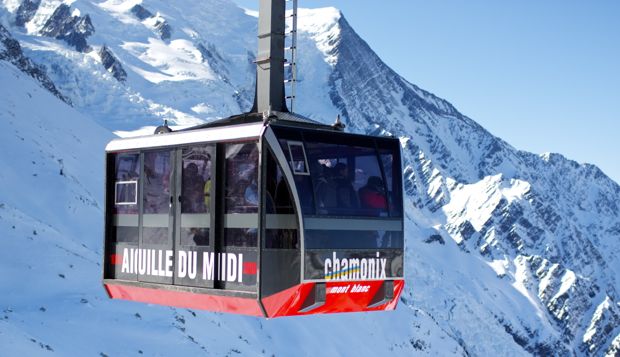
(112, 64)
(11, 51)
(74, 30)
(141, 12)
(160, 25)
(25, 12)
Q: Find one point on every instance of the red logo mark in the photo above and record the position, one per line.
(249, 268)
(116, 259)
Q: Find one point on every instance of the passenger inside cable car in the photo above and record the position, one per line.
(195, 175)
(372, 195)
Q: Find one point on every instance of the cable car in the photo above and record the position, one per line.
(266, 213)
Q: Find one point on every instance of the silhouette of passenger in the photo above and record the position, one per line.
(326, 188)
(250, 194)
(372, 195)
(346, 196)
(193, 190)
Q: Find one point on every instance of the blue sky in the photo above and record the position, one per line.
(542, 75)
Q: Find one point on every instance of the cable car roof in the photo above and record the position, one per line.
(237, 127)
(223, 133)
(274, 116)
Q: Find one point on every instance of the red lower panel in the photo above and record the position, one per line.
(235, 305)
(339, 297)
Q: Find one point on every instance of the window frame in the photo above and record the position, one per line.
(290, 143)
(127, 203)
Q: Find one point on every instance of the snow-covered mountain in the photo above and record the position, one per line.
(509, 253)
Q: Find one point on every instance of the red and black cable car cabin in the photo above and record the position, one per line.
(267, 217)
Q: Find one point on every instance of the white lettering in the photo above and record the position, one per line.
(160, 265)
(240, 274)
(336, 270)
(125, 267)
(134, 266)
(231, 262)
(148, 261)
(191, 265)
(208, 265)
(223, 266)
(355, 268)
(132, 260)
(164, 263)
(169, 263)
(364, 269)
(328, 267)
(357, 288)
(141, 262)
(154, 271)
(383, 261)
(371, 269)
(182, 264)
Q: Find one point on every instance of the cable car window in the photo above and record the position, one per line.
(299, 163)
(347, 179)
(370, 186)
(126, 185)
(125, 211)
(127, 166)
(353, 239)
(241, 178)
(156, 197)
(392, 170)
(241, 237)
(281, 222)
(241, 195)
(278, 196)
(196, 191)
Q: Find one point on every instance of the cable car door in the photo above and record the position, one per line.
(155, 256)
(238, 241)
(195, 185)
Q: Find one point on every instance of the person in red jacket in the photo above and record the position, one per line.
(372, 195)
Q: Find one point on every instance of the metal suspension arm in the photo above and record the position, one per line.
(270, 93)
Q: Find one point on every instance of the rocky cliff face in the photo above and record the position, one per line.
(72, 29)
(11, 51)
(500, 242)
(112, 64)
(159, 24)
(26, 11)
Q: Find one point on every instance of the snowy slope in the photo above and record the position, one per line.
(509, 253)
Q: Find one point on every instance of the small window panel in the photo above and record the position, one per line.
(299, 163)
(126, 193)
